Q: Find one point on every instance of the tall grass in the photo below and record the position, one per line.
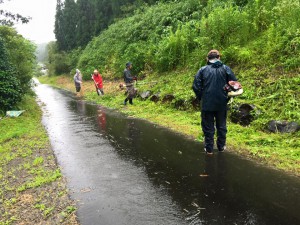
(259, 40)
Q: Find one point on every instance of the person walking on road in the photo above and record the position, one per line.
(78, 82)
(96, 76)
(208, 86)
(129, 82)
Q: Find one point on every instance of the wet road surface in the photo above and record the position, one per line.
(128, 171)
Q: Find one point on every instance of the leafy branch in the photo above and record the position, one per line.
(9, 19)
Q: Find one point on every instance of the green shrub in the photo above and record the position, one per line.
(173, 51)
(58, 62)
(226, 25)
(10, 88)
(140, 37)
(21, 55)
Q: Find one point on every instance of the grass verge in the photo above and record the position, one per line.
(280, 151)
(32, 189)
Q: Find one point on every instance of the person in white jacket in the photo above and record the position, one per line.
(78, 81)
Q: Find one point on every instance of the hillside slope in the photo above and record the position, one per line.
(168, 42)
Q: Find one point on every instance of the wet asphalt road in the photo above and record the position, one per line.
(122, 170)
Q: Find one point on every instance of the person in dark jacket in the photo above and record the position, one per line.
(129, 79)
(208, 86)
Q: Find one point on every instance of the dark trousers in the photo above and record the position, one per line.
(130, 93)
(210, 120)
(78, 88)
(130, 100)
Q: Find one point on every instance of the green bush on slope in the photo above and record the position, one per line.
(258, 39)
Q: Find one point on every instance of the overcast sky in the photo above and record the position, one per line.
(40, 28)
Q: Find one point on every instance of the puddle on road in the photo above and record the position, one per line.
(128, 171)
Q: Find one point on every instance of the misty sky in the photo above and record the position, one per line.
(41, 26)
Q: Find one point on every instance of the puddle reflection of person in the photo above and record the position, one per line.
(215, 172)
(81, 107)
(102, 119)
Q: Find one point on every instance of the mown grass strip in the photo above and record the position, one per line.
(29, 175)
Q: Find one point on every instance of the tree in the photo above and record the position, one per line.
(21, 54)
(58, 62)
(59, 26)
(104, 15)
(86, 22)
(76, 23)
(70, 17)
(8, 19)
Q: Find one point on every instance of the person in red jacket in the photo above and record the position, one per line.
(98, 82)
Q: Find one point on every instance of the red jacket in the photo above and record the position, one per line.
(98, 80)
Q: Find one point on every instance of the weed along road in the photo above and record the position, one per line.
(123, 170)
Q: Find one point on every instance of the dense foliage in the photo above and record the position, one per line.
(10, 92)
(21, 53)
(18, 63)
(57, 61)
(260, 40)
(77, 22)
(166, 36)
